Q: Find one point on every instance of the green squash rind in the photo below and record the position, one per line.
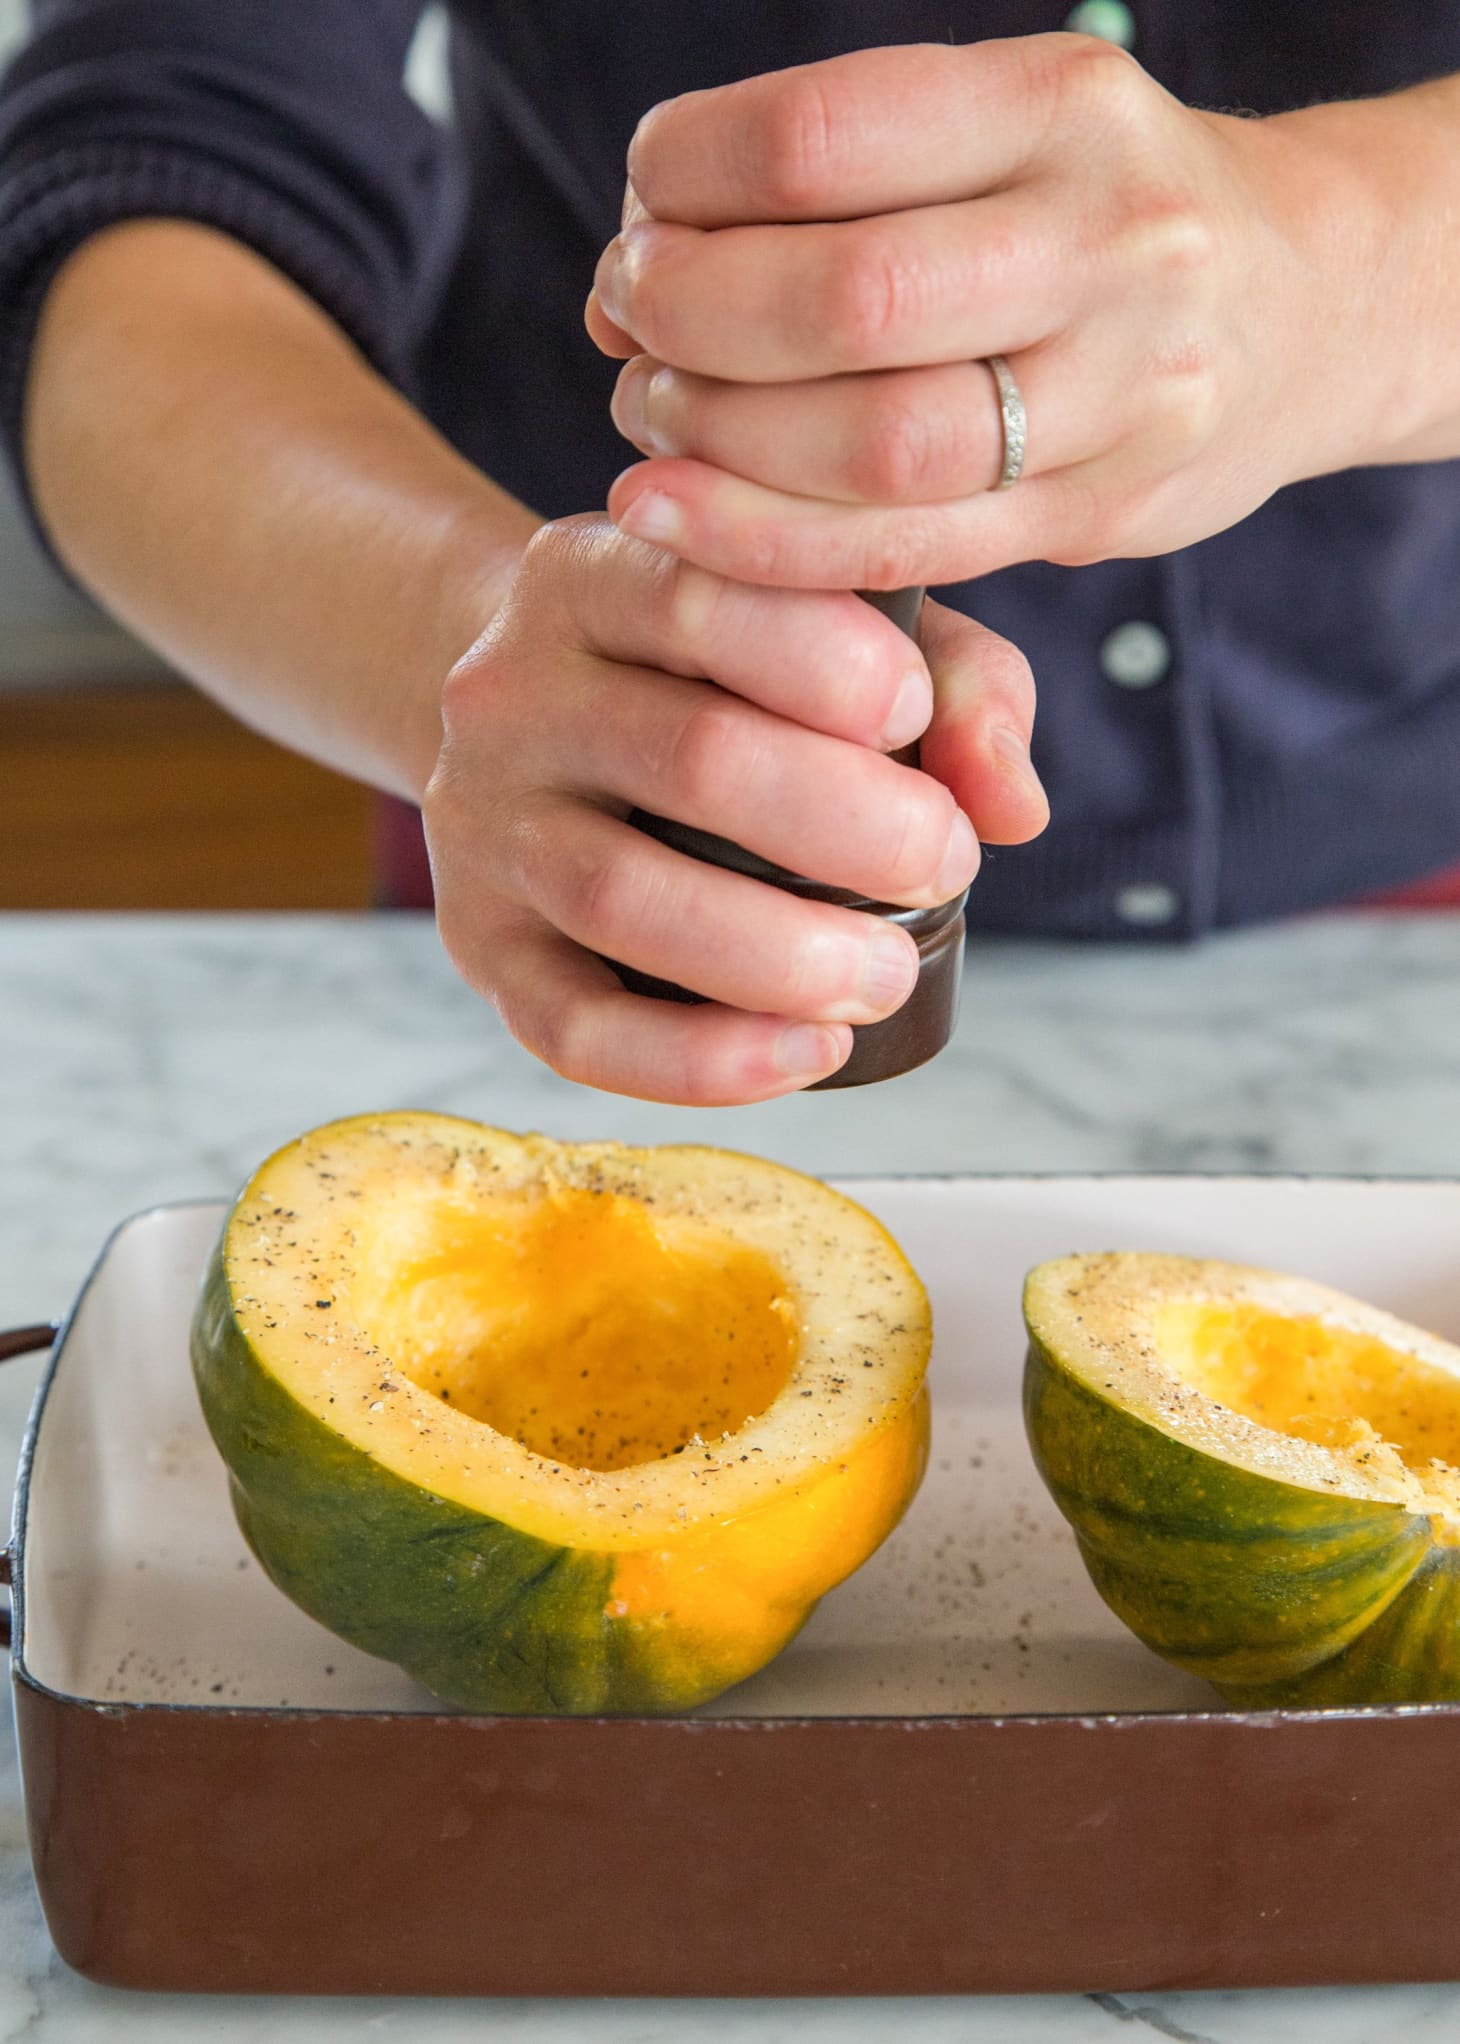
(1410, 1654)
(500, 1621)
(1275, 1593)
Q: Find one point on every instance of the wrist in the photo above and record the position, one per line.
(477, 561)
(1366, 194)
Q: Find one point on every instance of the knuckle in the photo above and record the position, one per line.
(865, 299)
(1173, 234)
(438, 798)
(888, 556)
(611, 898)
(796, 168)
(771, 554)
(1185, 365)
(898, 456)
(921, 826)
(562, 1036)
(702, 769)
(1008, 676)
(540, 548)
(1095, 81)
(684, 602)
(811, 971)
(1043, 63)
(597, 894)
(1189, 243)
(1188, 399)
(477, 686)
(467, 679)
(554, 559)
(549, 546)
(868, 677)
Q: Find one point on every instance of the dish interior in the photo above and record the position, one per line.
(138, 1587)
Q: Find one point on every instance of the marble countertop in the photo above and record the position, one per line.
(150, 1059)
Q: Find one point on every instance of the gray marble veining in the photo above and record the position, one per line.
(148, 1059)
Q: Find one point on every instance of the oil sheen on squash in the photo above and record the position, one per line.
(558, 1427)
(1260, 1471)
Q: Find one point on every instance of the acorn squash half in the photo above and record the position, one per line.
(558, 1427)
(1263, 1474)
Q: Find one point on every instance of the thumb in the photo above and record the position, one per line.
(978, 741)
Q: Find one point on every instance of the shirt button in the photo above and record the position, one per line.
(1135, 655)
(1147, 905)
(1111, 20)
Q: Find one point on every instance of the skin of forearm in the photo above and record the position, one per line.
(219, 466)
(1377, 184)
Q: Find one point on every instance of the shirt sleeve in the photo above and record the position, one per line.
(282, 122)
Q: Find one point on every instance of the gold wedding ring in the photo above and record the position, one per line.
(1015, 422)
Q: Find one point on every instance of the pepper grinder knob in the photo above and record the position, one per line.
(920, 1028)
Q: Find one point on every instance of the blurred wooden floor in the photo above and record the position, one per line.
(150, 797)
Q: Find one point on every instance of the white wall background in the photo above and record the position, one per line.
(47, 633)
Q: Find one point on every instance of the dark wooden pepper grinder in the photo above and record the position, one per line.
(923, 1024)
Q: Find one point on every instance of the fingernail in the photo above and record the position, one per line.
(658, 405)
(653, 515)
(638, 409)
(889, 968)
(960, 859)
(628, 405)
(806, 1051)
(1013, 749)
(610, 282)
(911, 709)
(617, 277)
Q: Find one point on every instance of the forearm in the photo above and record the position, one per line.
(220, 467)
(1377, 187)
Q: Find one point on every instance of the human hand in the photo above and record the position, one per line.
(1164, 283)
(614, 677)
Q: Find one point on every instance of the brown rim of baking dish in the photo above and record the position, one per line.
(263, 1849)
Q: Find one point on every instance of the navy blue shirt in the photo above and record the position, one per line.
(1284, 731)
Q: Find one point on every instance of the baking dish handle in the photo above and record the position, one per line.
(19, 1341)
